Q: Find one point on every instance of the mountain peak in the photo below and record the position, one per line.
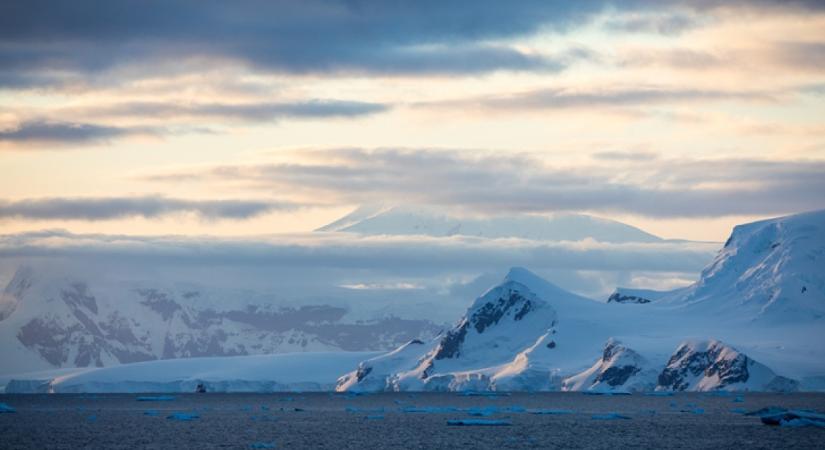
(443, 222)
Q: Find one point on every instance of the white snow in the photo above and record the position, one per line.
(258, 373)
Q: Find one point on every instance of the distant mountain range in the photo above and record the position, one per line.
(753, 321)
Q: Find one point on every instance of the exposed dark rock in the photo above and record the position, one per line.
(78, 296)
(450, 345)
(551, 344)
(491, 312)
(159, 302)
(362, 372)
(687, 363)
(618, 297)
(617, 376)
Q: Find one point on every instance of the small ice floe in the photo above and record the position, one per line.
(516, 409)
(793, 418)
(92, 418)
(156, 398)
(429, 409)
(609, 416)
(739, 399)
(478, 423)
(151, 413)
(605, 393)
(483, 394)
(183, 416)
(374, 417)
(262, 445)
(4, 408)
(738, 410)
(718, 394)
(354, 409)
(659, 394)
(698, 411)
(768, 411)
(550, 412)
(482, 412)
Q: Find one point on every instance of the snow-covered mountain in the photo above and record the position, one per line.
(619, 368)
(753, 321)
(772, 271)
(429, 221)
(712, 365)
(526, 334)
(755, 313)
(54, 320)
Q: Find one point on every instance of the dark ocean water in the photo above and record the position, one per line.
(334, 421)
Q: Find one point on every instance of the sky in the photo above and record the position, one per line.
(255, 118)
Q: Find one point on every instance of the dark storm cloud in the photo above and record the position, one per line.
(522, 183)
(288, 36)
(105, 208)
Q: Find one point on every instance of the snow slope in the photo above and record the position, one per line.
(772, 271)
(258, 373)
(431, 221)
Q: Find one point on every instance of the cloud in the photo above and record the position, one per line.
(106, 208)
(665, 24)
(410, 275)
(625, 155)
(415, 254)
(804, 55)
(559, 98)
(281, 36)
(43, 131)
(497, 184)
(253, 112)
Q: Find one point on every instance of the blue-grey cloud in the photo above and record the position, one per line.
(558, 98)
(632, 155)
(106, 208)
(316, 36)
(806, 55)
(286, 36)
(62, 133)
(386, 254)
(665, 24)
(662, 187)
(252, 112)
(51, 132)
